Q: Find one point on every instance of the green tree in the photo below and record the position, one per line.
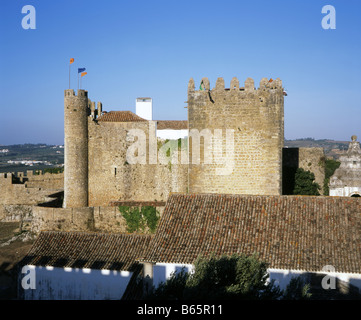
(225, 277)
(330, 167)
(297, 289)
(305, 184)
(138, 220)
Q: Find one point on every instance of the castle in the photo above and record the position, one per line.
(233, 145)
(241, 129)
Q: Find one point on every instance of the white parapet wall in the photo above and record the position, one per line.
(50, 283)
(163, 271)
(345, 191)
(281, 277)
(172, 134)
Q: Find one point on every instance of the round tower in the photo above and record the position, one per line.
(76, 113)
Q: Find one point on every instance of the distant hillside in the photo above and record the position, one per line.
(23, 157)
(332, 148)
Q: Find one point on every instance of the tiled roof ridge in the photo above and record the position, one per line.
(120, 116)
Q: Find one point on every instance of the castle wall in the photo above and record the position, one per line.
(309, 159)
(19, 193)
(103, 219)
(256, 118)
(112, 177)
(313, 159)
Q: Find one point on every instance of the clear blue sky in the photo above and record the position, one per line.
(152, 48)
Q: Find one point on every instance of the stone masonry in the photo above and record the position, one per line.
(256, 118)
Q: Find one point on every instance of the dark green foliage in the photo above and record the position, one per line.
(151, 217)
(305, 184)
(297, 289)
(225, 277)
(54, 170)
(330, 167)
(138, 220)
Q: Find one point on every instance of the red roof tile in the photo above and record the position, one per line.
(288, 232)
(87, 250)
(120, 116)
(172, 124)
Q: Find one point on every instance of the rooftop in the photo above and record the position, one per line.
(87, 250)
(120, 116)
(172, 124)
(288, 232)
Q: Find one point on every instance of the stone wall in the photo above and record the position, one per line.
(102, 219)
(256, 117)
(309, 159)
(112, 177)
(313, 159)
(18, 193)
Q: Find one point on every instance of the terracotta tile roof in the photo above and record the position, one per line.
(172, 124)
(137, 203)
(87, 250)
(288, 232)
(120, 116)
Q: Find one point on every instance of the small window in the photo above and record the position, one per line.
(115, 171)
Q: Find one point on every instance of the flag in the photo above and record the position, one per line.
(80, 70)
(201, 87)
(270, 80)
(71, 60)
(83, 74)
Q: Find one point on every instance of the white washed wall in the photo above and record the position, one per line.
(172, 134)
(283, 277)
(77, 284)
(344, 192)
(163, 271)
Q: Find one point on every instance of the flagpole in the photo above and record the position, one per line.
(69, 74)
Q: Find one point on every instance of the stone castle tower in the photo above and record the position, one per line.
(76, 113)
(240, 127)
(255, 118)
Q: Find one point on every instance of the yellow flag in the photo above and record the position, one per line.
(83, 73)
(71, 60)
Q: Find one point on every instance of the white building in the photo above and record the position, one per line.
(166, 129)
(80, 266)
(314, 237)
(144, 108)
(346, 180)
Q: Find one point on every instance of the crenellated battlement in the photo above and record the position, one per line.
(255, 117)
(265, 84)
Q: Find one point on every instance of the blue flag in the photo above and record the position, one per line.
(80, 70)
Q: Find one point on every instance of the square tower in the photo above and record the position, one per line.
(240, 132)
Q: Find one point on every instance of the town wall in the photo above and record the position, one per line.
(256, 117)
(102, 219)
(19, 192)
(309, 159)
(113, 177)
(313, 159)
